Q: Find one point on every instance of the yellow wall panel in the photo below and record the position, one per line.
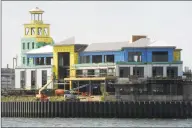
(73, 57)
(177, 55)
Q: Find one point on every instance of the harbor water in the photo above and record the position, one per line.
(93, 122)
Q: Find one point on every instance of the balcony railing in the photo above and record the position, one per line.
(142, 63)
(34, 66)
(93, 75)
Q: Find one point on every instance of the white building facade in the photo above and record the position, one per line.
(36, 74)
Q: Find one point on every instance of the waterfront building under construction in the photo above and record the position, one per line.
(124, 68)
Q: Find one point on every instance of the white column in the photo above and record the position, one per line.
(39, 78)
(117, 70)
(148, 70)
(180, 70)
(164, 71)
(28, 78)
(131, 70)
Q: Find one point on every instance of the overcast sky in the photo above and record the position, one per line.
(99, 21)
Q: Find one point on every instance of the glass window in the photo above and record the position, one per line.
(46, 31)
(159, 56)
(23, 60)
(28, 61)
(135, 57)
(23, 45)
(22, 78)
(26, 31)
(44, 77)
(84, 59)
(157, 71)
(109, 58)
(97, 58)
(124, 72)
(32, 31)
(33, 45)
(138, 71)
(28, 45)
(39, 31)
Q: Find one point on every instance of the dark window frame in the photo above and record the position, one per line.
(91, 72)
(107, 58)
(28, 61)
(122, 74)
(28, 45)
(33, 78)
(23, 46)
(22, 79)
(33, 45)
(84, 59)
(23, 60)
(97, 58)
(79, 73)
(160, 56)
(157, 69)
(44, 77)
(137, 73)
(132, 54)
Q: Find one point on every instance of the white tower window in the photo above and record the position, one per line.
(46, 31)
(39, 31)
(32, 31)
(26, 31)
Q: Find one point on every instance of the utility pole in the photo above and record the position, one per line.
(14, 59)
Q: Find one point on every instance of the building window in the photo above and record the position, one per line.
(157, 71)
(109, 58)
(103, 72)
(46, 31)
(91, 72)
(111, 72)
(135, 57)
(32, 31)
(26, 31)
(159, 56)
(23, 45)
(33, 79)
(79, 73)
(28, 45)
(44, 77)
(84, 59)
(22, 79)
(39, 31)
(124, 72)
(48, 60)
(138, 71)
(27, 61)
(172, 72)
(97, 59)
(33, 45)
(23, 60)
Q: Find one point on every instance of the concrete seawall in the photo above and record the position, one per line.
(97, 109)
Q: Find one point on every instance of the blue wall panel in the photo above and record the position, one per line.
(123, 55)
(119, 55)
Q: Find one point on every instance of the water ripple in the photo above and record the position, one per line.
(93, 122)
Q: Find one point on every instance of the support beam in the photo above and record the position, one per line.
(78, 88)
(70, 85)
(105, 88)
(164, 71)
(89, 88)
(131, 70)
